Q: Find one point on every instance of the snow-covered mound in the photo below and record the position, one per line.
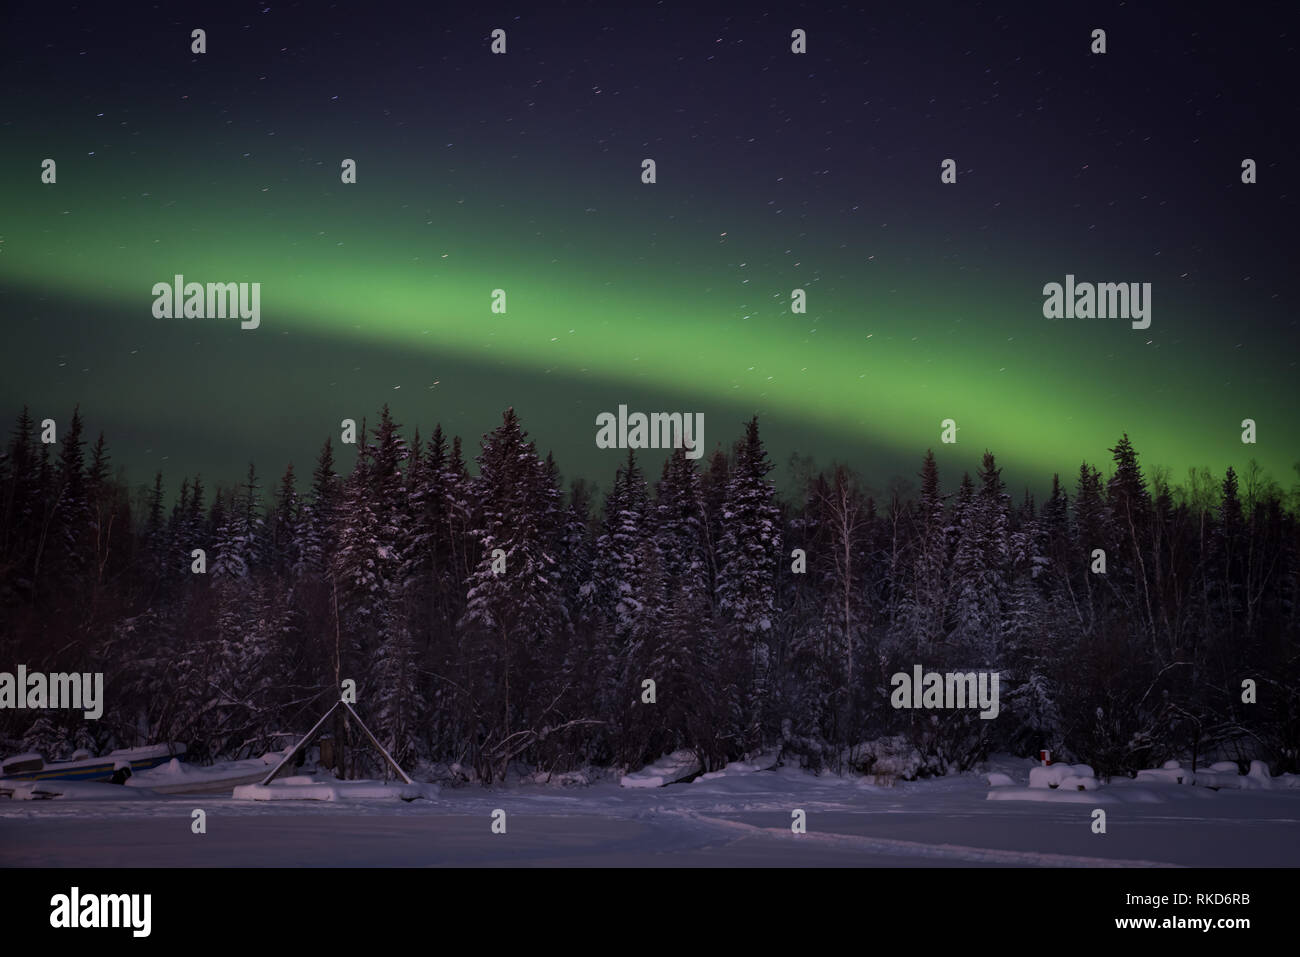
(582, 778)
(1171, 773)
(1069, 777)
(1222, 778)
(893, 756)
(28, 761)
(670, 769)
(1223, 774)
(1220, 775)
(177, 777)
(999, 780)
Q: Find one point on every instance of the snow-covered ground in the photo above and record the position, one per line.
(733, 818)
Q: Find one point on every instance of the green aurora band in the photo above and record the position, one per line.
(641, 295)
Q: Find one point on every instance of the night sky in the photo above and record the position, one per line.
(775, 171)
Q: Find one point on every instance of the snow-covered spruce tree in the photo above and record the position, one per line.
(840, 565)
(1129, 504)
(106, 506)
(1109, 703)
(1031, 645)
(400, 711)
(188, 530)
(228, 571)
(666, 574)
(318, 524)
(153, 552)
(436, 556)
(283, 538)
(403, 688)
(458, 490)
(62, 552)
(315, 589)
(642, 733)
(713, 492)
(616, 590)
(1092, 530)
(511, 615)
(238, 526)
(362, 569)
(1059, 549)
(284, 663)
(680, 529)
(418, 536)
(569, 680)
(749, 553)
(979, 578)
(805, 682)
(192, 704)
(585, 660)
(926, 593)
(808, 676)
(241, 670)
(377, 639)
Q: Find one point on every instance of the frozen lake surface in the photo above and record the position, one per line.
(734, 820)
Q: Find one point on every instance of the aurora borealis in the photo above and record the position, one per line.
(775, 171)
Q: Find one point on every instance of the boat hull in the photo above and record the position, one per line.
(95, 769)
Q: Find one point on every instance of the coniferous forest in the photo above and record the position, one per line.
(766, 623)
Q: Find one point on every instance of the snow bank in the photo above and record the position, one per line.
(307, 789)
(1170, 773)
(1127, 795)
(1256, 779)
(564, 779)
(71, 791)
(764, 762)
(1220, 775)
(670, 769)
(999, 780)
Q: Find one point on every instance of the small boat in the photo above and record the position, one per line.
(33, 767)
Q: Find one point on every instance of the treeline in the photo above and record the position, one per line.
(499, 617)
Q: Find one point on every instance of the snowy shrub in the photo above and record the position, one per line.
(48, 739)
(894, 756)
